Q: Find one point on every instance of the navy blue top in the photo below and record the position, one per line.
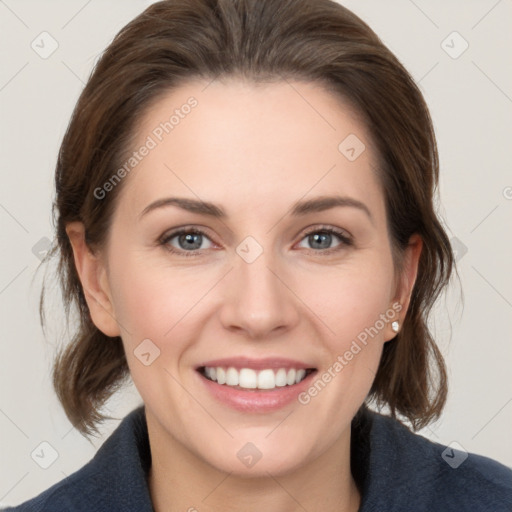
(395, 470)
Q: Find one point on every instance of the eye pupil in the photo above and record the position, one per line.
(189, 242)
(321, 237)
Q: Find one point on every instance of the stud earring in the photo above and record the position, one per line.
(395, 326)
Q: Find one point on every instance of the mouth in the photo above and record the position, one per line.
(253, 385)
(250, 379)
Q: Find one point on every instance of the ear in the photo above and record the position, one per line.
(405, 281)
(93, 276)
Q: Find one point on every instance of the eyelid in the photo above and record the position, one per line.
(346, 240)
(193, 228)
(319, 228)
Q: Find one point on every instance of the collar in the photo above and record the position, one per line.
(394, 469)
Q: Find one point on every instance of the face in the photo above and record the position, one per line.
(264, 278)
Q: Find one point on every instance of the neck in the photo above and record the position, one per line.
(179, 480)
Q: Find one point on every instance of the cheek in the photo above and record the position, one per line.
(352, 298)
(150, 299)
(353, 307)
(156, 303)
(159, 303)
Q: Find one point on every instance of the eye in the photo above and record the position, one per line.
(322, 238)
(189, 241)
(185, 241)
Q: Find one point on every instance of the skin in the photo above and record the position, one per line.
(255, 151)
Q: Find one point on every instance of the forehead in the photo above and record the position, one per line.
(244, 144)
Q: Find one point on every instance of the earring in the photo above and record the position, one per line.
(395, 326)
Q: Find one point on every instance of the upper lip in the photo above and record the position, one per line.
(257, 364)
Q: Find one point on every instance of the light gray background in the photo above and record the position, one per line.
(470, 98)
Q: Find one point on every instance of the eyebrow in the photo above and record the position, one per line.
(318, 204)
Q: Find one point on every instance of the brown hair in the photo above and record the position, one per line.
(260, 40)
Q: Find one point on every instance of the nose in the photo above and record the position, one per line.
(258, 299)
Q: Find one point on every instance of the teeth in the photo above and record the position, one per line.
(281, 377)
(232, 377)
(247, 379)
(250, 379)
(266, 379)
(221, 375)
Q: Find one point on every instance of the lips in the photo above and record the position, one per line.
(255, 384)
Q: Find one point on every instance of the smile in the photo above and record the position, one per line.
(255, 390)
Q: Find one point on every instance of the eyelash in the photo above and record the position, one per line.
(346, 241)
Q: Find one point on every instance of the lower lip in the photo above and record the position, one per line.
(256, 400)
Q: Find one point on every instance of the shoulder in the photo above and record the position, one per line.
(74, 493)
(114, 480)
(415, 473)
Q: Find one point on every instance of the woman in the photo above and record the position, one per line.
(245, 221)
